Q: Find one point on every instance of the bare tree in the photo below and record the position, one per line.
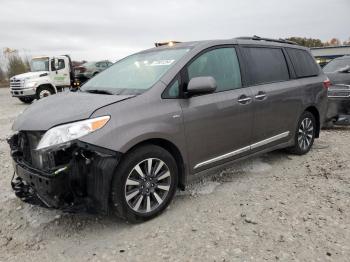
(15, 64)
(2, 75)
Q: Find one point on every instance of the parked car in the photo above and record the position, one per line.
(338, 71)
(157, 119)
(90, 69)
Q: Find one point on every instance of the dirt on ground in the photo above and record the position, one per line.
(273, 207)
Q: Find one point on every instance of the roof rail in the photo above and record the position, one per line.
(258, 38)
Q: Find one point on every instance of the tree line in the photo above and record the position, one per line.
(312, 42)
(11, 64)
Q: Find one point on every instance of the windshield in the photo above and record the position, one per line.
(136, 73)
(336, 65)
(39, 64)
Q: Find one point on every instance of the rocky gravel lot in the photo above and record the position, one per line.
(276, 207)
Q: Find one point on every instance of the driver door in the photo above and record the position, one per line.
(218, 126)
(60, 75)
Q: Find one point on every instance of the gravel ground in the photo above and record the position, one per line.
(274, 207)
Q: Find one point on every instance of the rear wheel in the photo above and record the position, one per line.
(305, 134)
(144, 183)
(26, 100)
(44, 91)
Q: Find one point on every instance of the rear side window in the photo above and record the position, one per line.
(220, 63)
(304, 64)
(266, 65)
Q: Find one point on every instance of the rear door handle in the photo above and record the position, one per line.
(260, 96)
(243, 99)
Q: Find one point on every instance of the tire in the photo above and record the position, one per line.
(44, 91)
(136, 198)
(26, 100)
(304, 134)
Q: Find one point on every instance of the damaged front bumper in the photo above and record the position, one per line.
(73, 178)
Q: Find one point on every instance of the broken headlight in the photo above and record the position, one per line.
(65, 133)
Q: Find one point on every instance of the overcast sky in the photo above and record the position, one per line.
(112, 29)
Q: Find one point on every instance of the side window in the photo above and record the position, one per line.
(61, 64)
(222, 64)
(266, 65)
(173, 91)
(304, 64)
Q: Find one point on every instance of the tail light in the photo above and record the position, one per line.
(327, 83)
(80, 69)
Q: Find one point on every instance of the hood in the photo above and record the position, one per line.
(29, 75)
(339, 78)
(62, 108)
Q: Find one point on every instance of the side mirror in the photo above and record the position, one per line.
(56, 63)
(201, 85)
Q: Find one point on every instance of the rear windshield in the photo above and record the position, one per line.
(336, 65)
(304, 64)
(136, 73)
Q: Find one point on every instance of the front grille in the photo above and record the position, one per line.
(339, 91)
(16, 84)
(27, 143)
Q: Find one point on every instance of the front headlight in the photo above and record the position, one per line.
(68, 132)
(30, 84)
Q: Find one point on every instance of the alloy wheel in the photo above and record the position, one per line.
(44, 93)
(147, 185)
(305, 133)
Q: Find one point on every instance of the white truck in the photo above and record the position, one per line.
(48, 75)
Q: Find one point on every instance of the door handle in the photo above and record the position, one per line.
(260, 96)
(243, 99)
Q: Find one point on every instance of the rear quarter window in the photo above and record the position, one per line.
(304, 64)
(266, 65)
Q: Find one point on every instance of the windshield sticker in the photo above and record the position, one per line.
(162, 62)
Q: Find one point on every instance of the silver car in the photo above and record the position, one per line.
(90, 69)
(159, 118)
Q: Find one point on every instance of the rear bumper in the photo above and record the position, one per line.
(22, 92)
(338, 103)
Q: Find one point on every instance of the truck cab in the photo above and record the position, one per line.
(47, 76)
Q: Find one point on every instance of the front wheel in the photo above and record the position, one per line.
(305, 134)
(26, 100)
(144, 183)
(44, 91)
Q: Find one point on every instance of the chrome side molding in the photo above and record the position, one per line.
(243, 149)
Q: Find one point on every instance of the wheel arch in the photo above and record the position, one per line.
(313, 110)
(49, 85)
(174, 151)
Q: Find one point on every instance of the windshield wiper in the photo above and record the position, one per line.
(99, 91)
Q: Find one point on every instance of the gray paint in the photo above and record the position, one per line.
(61, 108)
(203, 127)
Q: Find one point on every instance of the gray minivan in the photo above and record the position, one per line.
(156, 119)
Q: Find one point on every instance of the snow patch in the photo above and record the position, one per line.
(37, 216)
(256, 166)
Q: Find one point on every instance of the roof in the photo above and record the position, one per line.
(238, 40)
